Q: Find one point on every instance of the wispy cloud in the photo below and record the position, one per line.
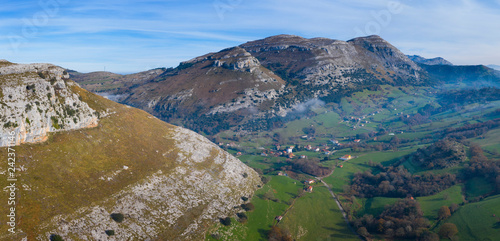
(133, 35)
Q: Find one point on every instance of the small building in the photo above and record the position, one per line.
(289, 150)
(238, 154)
(309, 181)
(309, 189)
(341, 166)
(304, 137)
(346, 158)
(263, 154)
(327, 152)
(278, 218)
(357, 140)
(280, 173)
(316, 149)
(303, 156)
(308, 147)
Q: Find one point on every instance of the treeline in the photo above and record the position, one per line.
(456, 98)
(310, 167)
(442, 154)
(398, 182)
(471, 130)
(416, 119)
(469, 96)
(404, 220)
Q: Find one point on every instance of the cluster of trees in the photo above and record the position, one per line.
(471, 130)
(480, 166)
(278, 234)
(456, 98)
(442, 154)
(416, 119)
(398, 182)
(403, 219)
(469, 96)
(393, 144)
(310, 167)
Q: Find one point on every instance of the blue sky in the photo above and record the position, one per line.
(127, 36)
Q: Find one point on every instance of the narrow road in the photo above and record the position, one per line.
(341, 209)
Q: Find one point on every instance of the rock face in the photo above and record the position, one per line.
(433, 61)
(206, 184)
(326, 62)
(169, 183)
(37, 99)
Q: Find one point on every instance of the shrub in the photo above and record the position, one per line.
(118, 217)
(265, 179)
(448, 230)
(55, 237)
(242, 217)
(244, 199)
(110, 232)
(248, 207)
(444, 213)
(225, 221)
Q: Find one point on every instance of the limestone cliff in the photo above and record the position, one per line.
(35, 99)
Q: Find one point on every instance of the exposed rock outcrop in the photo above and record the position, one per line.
(36, 99)
(206, 184)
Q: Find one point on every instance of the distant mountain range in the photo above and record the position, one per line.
(261, 83)
(496, 67)
(433, 61)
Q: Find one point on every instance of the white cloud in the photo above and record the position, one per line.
(163, 33)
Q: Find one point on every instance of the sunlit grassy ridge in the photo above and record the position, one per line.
(71, 169)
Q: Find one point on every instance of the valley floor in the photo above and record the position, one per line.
(315, 215)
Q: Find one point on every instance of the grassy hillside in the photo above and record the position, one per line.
(316, 216)
(478, 221)
(64, 173)
(104, 167)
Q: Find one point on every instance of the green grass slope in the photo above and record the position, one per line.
(84, 168)
(478, 221)
(316, 216)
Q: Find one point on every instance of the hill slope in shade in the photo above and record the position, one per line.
(433, 61)
(495, 67)
(168, 182)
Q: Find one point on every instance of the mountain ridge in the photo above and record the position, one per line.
(257, 84)
(433, 61)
